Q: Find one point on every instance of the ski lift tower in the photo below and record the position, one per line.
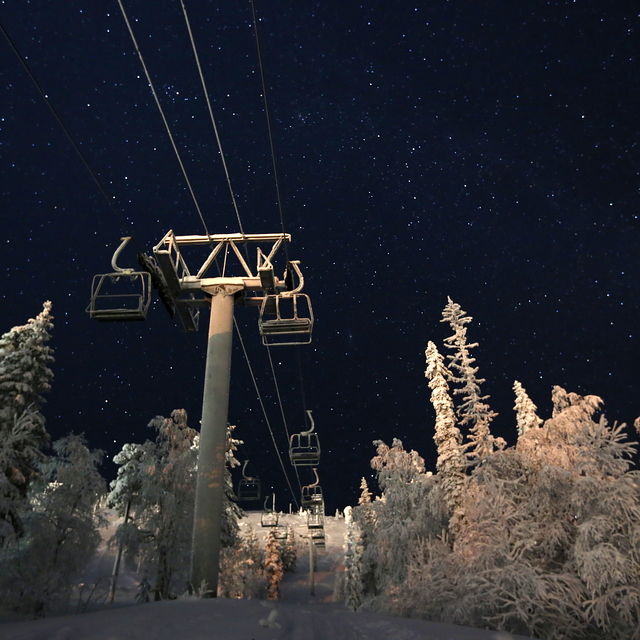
(285, 317)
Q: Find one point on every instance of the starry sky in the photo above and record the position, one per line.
(486, 151)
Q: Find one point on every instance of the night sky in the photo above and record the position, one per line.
(486, 151)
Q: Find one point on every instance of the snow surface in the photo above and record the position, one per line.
(297, 616)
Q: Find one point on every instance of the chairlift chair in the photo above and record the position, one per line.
(249, 489)
(285, 319)
(269, 518)
(280, 533)
(123, 295)
(315, 519)
(312, 494)
(304, 447)
(318, 536)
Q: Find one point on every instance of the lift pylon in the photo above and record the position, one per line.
(190, 290)
(185, 292)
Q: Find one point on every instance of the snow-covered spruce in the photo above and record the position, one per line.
(273, 567)
(157, 479)
(24, 376)
(61, 530)
(473, 412)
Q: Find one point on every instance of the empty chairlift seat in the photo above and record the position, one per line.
(123, 294)
(315, 519)
(120, 296)
(304, 447)
(286, 319)
(269, 518)
(311, 497)
(249, 488)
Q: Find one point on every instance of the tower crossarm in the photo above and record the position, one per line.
(170, 257)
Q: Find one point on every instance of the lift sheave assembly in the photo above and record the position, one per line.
(285, 313)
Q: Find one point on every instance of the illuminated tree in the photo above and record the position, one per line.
(526, 416)
(24, 377)
(473, 410)
(450, 463)
(61, 529)
(273, 566)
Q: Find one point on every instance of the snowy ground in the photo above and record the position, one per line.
(297, 616)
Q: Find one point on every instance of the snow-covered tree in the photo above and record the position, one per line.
(473, 410)
(557, 443)
(241, 567)
(411, 508)
(289, 551)
(24, 376)
(526, 411)
(158, 480)
(450, 463)
(273, 566)
(353, 548)
(365, 496)
(24, 365)
(548, 545)
(61, 529)
(231, 512)
(541, 539)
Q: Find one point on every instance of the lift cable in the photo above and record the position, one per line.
(56, 115)
(264, 412)
(164, 119)
(266, 111)
(213, 121)
(232, 196)
(301, 380)
(275, 171)
(109, 199)
(215, 129)
(284, 420)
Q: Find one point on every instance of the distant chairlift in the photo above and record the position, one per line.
(312, 494)
(315, 517)
(269, 518)
(304, 447)
(248, 488)
(124, 294)
(285, 318)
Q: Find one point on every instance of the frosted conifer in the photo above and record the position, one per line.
(365, 496)
(61, 529)
(526, 416)
(352, 585)
(24, 365)
(273, 567)
(241, 566)
(450, 463)
(159, 480)
(231, 512)
(473, 410)
(24, 377)
(289, 551)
